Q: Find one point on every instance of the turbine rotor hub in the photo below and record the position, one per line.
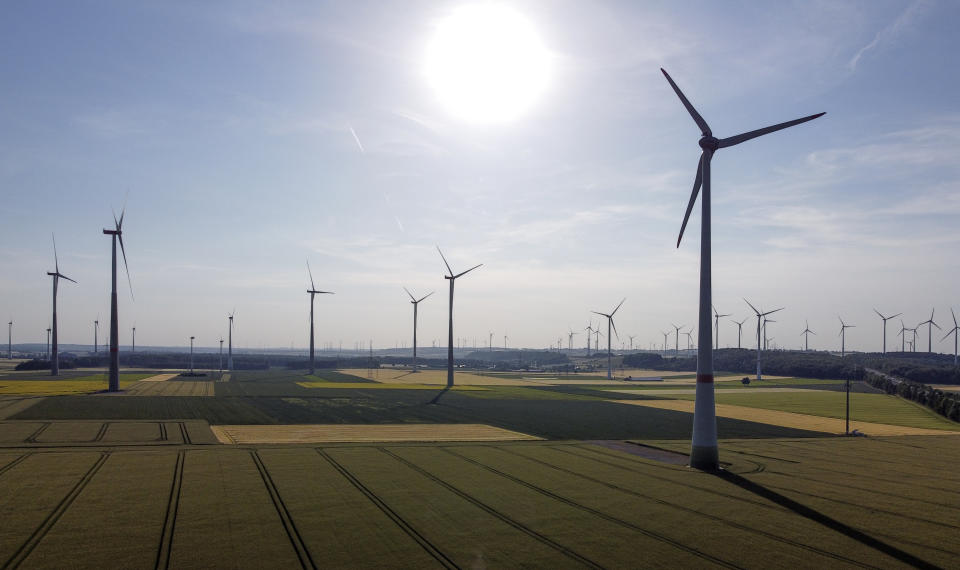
(710, 143)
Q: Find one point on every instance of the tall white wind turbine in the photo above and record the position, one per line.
(716, 326)
(930, 324)
(312, 291)
(55, 357)
(806, 336)
(609, 325)
(739, 329)
(954, 331)
(451, 277)
(116, 234)
(760, 316)
(885, 319)
(843, 336)
(415, 302)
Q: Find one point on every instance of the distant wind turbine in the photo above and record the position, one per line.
(221, 356)
(766, 340)
(689, 334)
(55, 358)
(191, 356)
(806, 336)
(96, 329)
(451, 277)
(48, 343)
(133, 339)
(665, 334)
(885, 319)
(739, 329)
(716, 326)
(116, 235)
(569, 340)
(10, 340)
(415, 302)
(843, 336)
(760, 316)
(930, 324)
(903, 336)
(609, 325)
(954, 331)
(704, 453)
(631, 337)
(230, 341)
(677, 332)
(589, 330)
(312, 291)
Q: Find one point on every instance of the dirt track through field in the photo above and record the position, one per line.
(788, 419)
(245, 434)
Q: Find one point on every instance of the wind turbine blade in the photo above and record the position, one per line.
(773, 311)
(743, 137)
(954, 317)
(65, 277)
(878, 313)
(467, 271)
(752, 307)
(56, 262)
(312, 286)
(618, 308)
(601, 314)
(412, 298)
(445, 261)
(948, 334)
(614, 326)
(693, 196)
(125, 266)
(704, 128)
(425, 296)
(897, 315)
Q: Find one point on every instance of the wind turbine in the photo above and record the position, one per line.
(665, 334)
(885, 319)
(505, 337)
(55, 358)
(609, 325)
(230, 341)
(221, 356)
(632, 336)
(740, 329)
(903, 336)
(589, 330)
(451, 277)
(133, 340)
(716, 326)
(689, 334)
(313, 292)
(10, 340)
(806, 336)
(569, 340)
(116, 235)
(48, 343)
(704, 453)
(954, 331)
(415, 302)
(677, 330)
(843, 336)
(766, 340)
(930, 324)
(191, 356)
(760, 315)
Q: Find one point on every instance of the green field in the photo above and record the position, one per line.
(97, 481)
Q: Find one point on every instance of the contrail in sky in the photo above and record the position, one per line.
(356, 138)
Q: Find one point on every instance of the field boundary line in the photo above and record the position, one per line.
(102, 432)
(185, 434)
(41, 531)
(594, 512)
(163, 431)
(303, 553)
(170, 518)
(14, 463)
(490, 510)
(406, 527)
(32, 438)
(689, 510)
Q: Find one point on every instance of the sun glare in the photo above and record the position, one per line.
(486, 63)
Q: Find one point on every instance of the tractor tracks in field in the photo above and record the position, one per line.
(600, 514)
(27, 547)
(495, 513)
(296, 540)
(170, 519)
(405, 526)
(690, 511)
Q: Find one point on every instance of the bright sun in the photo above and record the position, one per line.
(486, 63)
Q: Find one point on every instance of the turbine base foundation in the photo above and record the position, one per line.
(704, 458)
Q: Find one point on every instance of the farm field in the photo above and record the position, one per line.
(70, 384)
(807, 503)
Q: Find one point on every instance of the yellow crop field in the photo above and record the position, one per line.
(246, 434)
(50, 387)
(374, 386)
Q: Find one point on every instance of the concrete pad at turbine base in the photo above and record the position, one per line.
(788, 419)
(343, 433)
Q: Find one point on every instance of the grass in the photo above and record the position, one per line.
(875, 408)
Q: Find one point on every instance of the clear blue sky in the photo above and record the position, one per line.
(247, 137)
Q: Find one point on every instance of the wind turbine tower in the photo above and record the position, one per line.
(843, 336)
(930, 324)
(677, 341)
(451, 277)
(116, 235)
(760, 317)
(10, 340)
(191, 356)
(133, 340)
(230, 341)
(704, 453)
(954, 331)
(96, 330)
(806, 336)
(609, 325)
(312, 291)
(55, 358)
(665, 334)
(716, 326)
(221, 355)
(48, 343)
(589, 330)
(415, 302)
(885, 319)
(739, 330)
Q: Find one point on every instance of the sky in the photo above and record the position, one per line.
(245, 138)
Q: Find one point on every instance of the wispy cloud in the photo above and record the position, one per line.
(891, 32)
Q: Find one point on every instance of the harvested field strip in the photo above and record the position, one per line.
(170, 517)
(160, 378)
(585, 533)
(132, 432)
(211, 485)
(434, 378)
(374, 386)
(12, 405)
(331, 516)
(941, 467)
(83, 534)
(19, 432)
(53, 515)
(719, 390)
(70, 432)
(437, 513)
(171, 388)
(303, 554)
(786, 419)
(363, 433)
(694, 510)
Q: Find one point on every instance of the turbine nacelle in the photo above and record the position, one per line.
(709, 143)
